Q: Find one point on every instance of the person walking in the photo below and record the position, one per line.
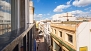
(37, 47)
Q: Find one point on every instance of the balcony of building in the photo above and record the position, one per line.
(18, 40)
(16, 25)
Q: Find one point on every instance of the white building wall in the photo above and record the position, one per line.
(48, 33)
(70, 18)
(83, 35)
(63, 17)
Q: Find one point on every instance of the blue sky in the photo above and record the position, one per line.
(45, 9)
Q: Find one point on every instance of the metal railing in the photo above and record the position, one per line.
(15, 42)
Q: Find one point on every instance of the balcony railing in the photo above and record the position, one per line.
(62, 43)
(17, 40)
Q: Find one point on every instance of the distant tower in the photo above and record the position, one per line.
(67, 17)
(31, 12)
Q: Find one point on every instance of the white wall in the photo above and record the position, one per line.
(62, 17)
(83, 35)
(65, 18)
(47, 33)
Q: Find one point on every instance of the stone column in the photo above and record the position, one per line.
(31, 12)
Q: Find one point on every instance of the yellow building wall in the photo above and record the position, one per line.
(64, 37)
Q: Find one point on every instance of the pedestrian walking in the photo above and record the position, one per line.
(37, 47)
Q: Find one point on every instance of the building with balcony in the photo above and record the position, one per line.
(44, 27)
(70, 36)
(47, 30)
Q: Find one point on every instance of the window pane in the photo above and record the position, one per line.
(60, 33)
(5, 16)
(70, 38)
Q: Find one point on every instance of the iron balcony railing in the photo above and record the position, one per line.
(62, 43)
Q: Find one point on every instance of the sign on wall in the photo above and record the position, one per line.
(83, 48)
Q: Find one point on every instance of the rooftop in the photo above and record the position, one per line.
(68, 25)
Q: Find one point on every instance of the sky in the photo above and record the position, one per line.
(46, 9)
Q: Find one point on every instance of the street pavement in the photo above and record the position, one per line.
(41, 44)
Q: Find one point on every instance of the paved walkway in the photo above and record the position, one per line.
(41, 44)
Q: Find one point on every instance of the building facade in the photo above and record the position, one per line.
(47, 31)
(83, 36)
(16, 31)
(44, 26)
(70, 36)
(63, 17)
(63, 37)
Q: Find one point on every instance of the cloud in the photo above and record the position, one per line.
(68, 3)
(76, 13)
(5, 5)
(38, 15)
(90, 10)
(46, 18)
(81, 3)
(48, 14)
(61, 7)
(80, 13)
(42, 16)
(87, 8)
(55, 16)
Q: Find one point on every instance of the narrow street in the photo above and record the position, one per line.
(41, 44)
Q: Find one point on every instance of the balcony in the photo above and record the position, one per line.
(18, 40)
(16, 25)
(62, 43)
